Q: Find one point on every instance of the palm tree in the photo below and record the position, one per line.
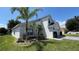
(39, 30)
(25, 13)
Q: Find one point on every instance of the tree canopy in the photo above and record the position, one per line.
(3, 31)
(73, 24)
(25, 13)
(12, 23)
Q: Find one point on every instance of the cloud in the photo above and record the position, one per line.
(3, 25)
(62, 24)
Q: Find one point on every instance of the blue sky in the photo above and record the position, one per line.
(60, 14)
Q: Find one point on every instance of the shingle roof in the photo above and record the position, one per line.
(40, 19)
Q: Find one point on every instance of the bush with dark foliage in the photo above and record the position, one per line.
(73, 24)
(3, 31)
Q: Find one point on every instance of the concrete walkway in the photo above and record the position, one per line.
(70, 38)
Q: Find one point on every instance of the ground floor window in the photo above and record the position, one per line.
(30, 33)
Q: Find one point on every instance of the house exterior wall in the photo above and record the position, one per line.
(50, 29)
(19, 31)
(47, 30)
(57, 28)
(63, 32)
(43, 29)
(48, 33)
(23, 29)
(16, 32)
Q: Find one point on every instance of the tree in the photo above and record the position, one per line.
(39, 30)
(73, 24)
(77, 22)
(11, 24)
(39, 36)
(25, 13)
(3, 31)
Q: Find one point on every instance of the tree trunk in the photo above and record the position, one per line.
(26, 29)
(25, 35)
(26, 25)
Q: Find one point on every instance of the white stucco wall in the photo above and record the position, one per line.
(48, 33)
(16, 33)
(49, 30)
(19, 31)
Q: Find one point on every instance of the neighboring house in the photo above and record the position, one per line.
(51, 28)
(62, 31)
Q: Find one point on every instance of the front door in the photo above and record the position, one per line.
(55, 34)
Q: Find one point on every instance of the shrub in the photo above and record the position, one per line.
(3, 31)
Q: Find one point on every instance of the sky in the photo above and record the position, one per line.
(59, 14)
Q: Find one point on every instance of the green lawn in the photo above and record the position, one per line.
(7, 43)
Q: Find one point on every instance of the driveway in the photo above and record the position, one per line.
(70, 38)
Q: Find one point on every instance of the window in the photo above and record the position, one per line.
(30, 33)
(50, 22)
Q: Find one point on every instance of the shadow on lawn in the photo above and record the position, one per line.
(39, 44)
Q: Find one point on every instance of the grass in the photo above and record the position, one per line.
(76, 35)
(7, 43)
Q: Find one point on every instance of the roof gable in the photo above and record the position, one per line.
(40, 19)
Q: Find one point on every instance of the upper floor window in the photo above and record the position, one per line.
(50, 22)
